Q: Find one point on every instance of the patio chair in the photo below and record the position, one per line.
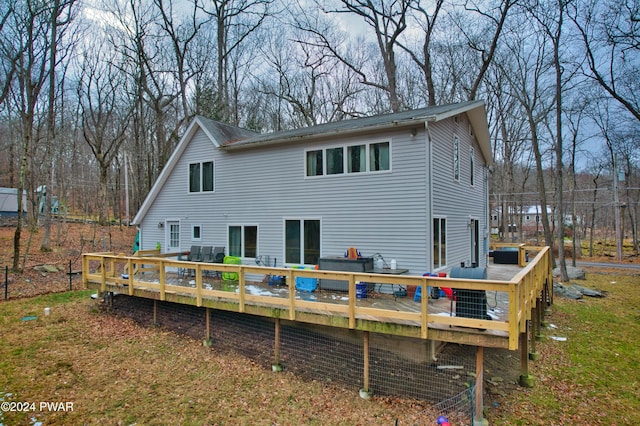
(195, 255)
(218, 255)
(206, 255)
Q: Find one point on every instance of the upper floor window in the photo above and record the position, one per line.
(356, 158)
(456, 158)
(371, 157)
(315, 163)
(472, 165)
(379, 156)
(201, 177)
(335, 161)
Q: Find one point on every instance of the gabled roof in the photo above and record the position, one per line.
(475, 111)
(227, 137)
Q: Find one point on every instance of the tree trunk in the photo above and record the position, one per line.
(544, 216)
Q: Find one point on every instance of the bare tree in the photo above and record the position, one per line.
(63, 12)
(8, 54)
(492, 22)
(105, 116)
(551, 21)
(182, 36)
(526, 67)
(314, 86)
(29, 35)
(426, 20)
(388, 20)
(236, 21)
(610, 33)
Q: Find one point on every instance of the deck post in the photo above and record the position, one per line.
(155, 311)
(207, 334)
(277, 367)
(365, 393)
(526, 380)
(535, 331)
(478, 412)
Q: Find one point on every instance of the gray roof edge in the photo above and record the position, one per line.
(358, 125)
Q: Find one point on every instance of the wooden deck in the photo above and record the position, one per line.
(512, 293)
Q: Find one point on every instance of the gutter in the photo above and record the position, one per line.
(323, 135)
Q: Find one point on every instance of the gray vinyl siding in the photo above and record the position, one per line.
(377, 212)
(458, 200)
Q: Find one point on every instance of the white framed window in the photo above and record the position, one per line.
(360, 158)
(356, 158)
(456, 158)
(472, 166)
(196, 232)
(335, 161)
(302, 241)
(314, 164)
(379, 156)
(243, 240)
(439, 242)
(201, 177)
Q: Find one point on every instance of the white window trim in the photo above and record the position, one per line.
(446, 254)
(244, 246)
(456, 158)
(345, 155)
(284, 238)
(472, 166)
(193, 231)
(201, 180)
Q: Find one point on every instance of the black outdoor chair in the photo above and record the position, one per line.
(195, 255)
(206, 256)
(217, 256)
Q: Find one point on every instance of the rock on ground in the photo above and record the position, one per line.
(573, 273)
(574, 291)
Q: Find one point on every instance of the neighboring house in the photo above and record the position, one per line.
(529, 217)
(411, 186)
(9, 202)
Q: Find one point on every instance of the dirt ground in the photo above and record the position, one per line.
(46, 272)
(72, 239)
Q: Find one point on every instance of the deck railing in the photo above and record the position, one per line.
(128, 274)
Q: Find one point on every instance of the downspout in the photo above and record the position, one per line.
(487, 221)
(429, 177)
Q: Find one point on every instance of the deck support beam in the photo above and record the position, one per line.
(478, 411)
(155, 311)
(276, 347)
(535, 331)
(526, 380)
(207, 333)
(365, 392)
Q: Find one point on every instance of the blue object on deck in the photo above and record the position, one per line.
(361, 290)
(417, 297)
(306, 284)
